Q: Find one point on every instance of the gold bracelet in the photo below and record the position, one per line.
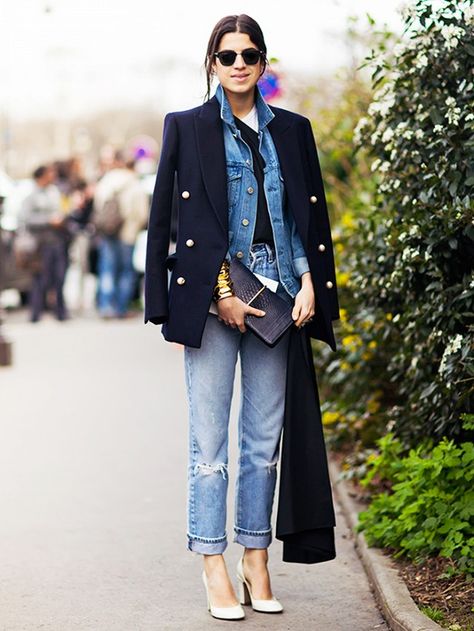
(223, 287)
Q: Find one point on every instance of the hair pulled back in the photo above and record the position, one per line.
(233, 24)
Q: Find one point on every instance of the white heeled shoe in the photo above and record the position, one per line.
(271, 605)
(222, 613)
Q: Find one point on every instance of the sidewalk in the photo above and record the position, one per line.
(93, 495)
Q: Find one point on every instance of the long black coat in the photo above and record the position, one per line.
(193, 150)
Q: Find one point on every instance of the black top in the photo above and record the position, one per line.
(263, 227)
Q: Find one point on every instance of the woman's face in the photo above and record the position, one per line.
(240, 77)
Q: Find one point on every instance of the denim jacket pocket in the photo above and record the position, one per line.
(234, 179)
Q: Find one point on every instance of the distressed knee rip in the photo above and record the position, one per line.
(209, 469)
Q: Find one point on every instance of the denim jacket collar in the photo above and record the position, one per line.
(264, 112)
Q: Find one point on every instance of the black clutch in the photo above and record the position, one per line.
(277, 319)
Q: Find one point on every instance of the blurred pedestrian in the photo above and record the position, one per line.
(251, 188)
(120, 213)
(42, 217)
(82, 232)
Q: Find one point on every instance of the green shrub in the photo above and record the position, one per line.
(419, 248)
(406, 362)
(429, 509)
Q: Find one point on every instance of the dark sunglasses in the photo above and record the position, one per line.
(251, 56)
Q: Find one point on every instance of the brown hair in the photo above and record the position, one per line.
(233, 24)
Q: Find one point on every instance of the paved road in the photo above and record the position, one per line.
(92, 495)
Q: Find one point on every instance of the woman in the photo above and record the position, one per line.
(249, 186)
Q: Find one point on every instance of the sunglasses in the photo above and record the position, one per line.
(251, 56)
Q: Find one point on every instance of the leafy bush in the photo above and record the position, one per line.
(406, 364)
(429, 509)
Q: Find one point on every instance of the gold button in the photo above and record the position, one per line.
(321, 247)
(245, 222)
(313, 199)
(250, 190)
(239, 254)
(190, 243)
(185, 194)
(329, 284)
(180, 280)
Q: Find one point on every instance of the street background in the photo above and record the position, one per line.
(93, 494)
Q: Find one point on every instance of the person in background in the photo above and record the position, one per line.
(41, 215)
(82, 232)
(117, 276)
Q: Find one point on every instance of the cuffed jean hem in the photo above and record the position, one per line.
(251, 539)
(207, 546)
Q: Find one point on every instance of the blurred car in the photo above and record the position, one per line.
(12, 193)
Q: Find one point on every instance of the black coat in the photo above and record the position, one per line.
(193, 149)
(193, 146)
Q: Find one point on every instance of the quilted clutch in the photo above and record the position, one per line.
(277, 319)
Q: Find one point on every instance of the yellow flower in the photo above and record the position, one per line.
(388, 316)
(366, 356)
(372, 344)
(342, 278)
(330, 417)
(352, 341)
(347, 220)
(373, 406)
(343, 314)
(339, 247)
(345, 366)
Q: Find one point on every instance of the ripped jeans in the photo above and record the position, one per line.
(210, 372)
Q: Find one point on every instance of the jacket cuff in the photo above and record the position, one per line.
(300, 265)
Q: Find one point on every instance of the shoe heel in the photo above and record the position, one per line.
(204, 580)
(244, 596)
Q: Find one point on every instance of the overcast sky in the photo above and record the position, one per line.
(66, 57)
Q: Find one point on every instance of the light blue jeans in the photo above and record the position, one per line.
(210, 372)
(117, 276)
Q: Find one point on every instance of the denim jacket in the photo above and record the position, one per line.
(242, 192)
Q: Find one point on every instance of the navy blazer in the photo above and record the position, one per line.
(193, 150)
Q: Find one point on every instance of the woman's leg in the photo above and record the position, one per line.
(210, 372)
(107, 273)
(260, 424)
(127, 277)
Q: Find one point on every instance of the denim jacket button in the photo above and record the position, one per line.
(190, 243)
(239, 255)
(329, 284)
(313, 199)
(245, 222)
(180, 280)
(321, 247)
(185, 194)
(250, 190)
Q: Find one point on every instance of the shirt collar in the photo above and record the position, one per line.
(264, 112)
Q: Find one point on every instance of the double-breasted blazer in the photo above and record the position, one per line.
(193, 149)
(193, 163)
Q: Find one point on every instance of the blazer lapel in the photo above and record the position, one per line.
(210, 141)
(289, 155)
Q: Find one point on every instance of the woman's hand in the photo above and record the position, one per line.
(304, 307)
(232, 311)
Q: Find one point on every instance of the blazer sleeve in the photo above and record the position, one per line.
(159, 225)
(323, 215)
